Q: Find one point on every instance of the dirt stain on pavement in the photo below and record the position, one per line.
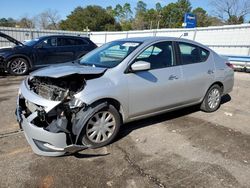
(47, 182)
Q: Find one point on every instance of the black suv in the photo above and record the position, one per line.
(41, 52)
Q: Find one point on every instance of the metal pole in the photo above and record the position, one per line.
(151, 24)
(195, 31)
(158, 24)
(105, 37)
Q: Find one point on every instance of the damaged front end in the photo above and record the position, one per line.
(51, 116)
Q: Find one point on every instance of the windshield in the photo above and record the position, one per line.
(109, 55)
(31, 42)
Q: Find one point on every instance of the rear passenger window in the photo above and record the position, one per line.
(70, 41)
(204, 54)
(80, 42)
(190, 53)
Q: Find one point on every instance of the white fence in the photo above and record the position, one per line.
(226, 40)
(23, 34)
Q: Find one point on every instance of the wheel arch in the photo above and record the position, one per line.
(113, 102)
(219, 84)
(19, 56)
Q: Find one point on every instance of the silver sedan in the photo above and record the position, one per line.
(77, 105)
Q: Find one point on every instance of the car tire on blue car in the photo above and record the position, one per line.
(18, 66)
(212, 100)
(102, 127)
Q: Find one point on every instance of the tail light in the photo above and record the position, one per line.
(229, 65)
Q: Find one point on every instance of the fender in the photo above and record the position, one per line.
(83, 116)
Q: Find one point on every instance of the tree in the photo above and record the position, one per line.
(94, 17)
(110, 11)
(140, 8)
(127, 11)
(158, 7)
(26, 22)
(173, 13)
(48, 19)
(231, 11)
(202, 17)
(140, 11)
(214, 21)
(119, 13)
(7, 22)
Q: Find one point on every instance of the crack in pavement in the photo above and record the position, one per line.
(3, 135)
(139, 170)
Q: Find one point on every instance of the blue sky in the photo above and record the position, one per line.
(18, 8)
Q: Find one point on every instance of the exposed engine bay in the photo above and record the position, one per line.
(70, 115)
(57, 89)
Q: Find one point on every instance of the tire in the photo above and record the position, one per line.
(212, 100)
(18, 66)
(111, 124)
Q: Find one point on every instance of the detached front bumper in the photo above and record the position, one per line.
(41, 141)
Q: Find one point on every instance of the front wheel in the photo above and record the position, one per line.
(102, 127)
(18, 66)
(212, 100)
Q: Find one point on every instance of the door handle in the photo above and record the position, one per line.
(210, 71)
(173, 77)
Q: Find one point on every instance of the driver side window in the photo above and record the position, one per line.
(159, 55)
(49, 42)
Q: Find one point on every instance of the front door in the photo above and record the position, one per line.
(46, 52)
(158, 88)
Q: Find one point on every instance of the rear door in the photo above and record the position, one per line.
(158, 88)
(198, 70)
(83, 46)
(66, 49)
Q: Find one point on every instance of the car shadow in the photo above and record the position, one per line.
(3, 74)
(130, 127)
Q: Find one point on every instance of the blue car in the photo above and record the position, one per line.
(20, 58)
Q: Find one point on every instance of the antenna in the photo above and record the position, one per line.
(183, 34)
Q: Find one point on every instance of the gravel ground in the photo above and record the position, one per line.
(185, 148)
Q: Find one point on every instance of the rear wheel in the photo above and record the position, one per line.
(18, 66)
(102, 127)
(212, 100)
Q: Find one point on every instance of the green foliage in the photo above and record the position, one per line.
(10, 22)
(26, 23)
(139, 21)
(121, 17)
(235, 20)
(94, 17)
(203, 19)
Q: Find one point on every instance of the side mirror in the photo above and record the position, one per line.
(39, 46)
(140, 66)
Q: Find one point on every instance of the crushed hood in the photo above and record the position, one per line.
(65, 69)
(9, 38)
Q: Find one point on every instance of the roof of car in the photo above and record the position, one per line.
(144, 39)
(159, 38)
(43, 37)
